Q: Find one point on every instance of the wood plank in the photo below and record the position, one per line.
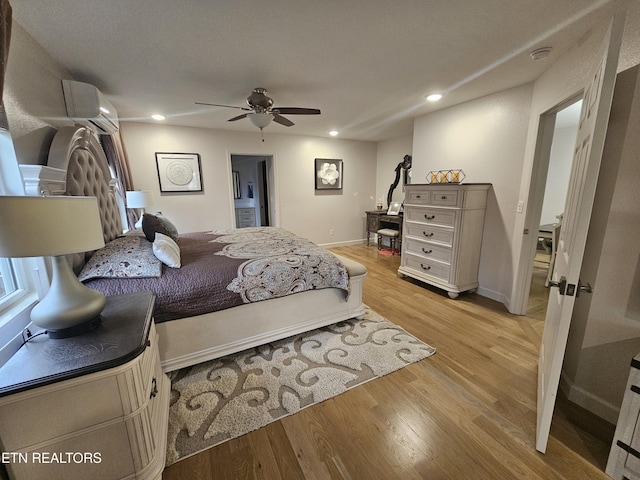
(466, 412)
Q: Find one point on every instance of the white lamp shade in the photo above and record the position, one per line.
(49, 226)
(260, 120)
(139, 199)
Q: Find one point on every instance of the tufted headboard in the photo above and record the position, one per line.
(77, 151)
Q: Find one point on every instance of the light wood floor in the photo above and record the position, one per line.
(469, 411)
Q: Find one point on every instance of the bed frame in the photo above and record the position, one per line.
(78, 158)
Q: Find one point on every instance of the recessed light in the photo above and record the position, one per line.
(540, 53)
(434, 97)
(334, 133)
(157, 116)
(104, 110)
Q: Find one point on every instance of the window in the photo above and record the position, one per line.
(22, 285)
(22, 281)
(7, 279)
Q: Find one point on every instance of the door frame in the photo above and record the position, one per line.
(271, 179)
(537, 187)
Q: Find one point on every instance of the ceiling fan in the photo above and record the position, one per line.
(262, 112)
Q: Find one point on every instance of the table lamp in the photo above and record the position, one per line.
(139, 199)
(55, 227)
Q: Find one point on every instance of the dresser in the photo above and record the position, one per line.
(94, 406)
(245, 217)
(624, 457)
(442, 234)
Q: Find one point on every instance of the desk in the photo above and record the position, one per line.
(378, 219)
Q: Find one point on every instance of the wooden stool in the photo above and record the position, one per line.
(392, 235)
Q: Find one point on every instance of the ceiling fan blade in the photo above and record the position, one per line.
(239, 117)
(218, 105)
(281, 120)
(297, 111)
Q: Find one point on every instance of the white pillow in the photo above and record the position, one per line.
(166, 250)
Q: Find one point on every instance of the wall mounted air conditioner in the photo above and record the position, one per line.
(87, 106)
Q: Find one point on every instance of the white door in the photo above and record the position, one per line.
(594, 118)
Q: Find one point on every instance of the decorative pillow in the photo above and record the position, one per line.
(124, 257)
(173, 231)
(166, 250)
(152, 224)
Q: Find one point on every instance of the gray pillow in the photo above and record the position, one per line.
(152, 224)
(173, 231)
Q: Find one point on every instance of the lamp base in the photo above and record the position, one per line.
(75, 330)
(69, 308)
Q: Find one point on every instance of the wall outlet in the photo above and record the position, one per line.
(520, 207)
(331, 232)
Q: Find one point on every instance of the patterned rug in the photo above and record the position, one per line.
(225, 398)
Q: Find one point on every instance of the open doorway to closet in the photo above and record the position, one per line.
(559, 157)
(253, 190)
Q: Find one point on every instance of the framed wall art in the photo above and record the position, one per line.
(328, 174)
(179, 172)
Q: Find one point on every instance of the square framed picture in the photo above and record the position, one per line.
(328, 174)
(179, 172)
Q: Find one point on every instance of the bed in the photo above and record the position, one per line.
(261, 303)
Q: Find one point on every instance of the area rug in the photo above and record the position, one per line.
(225, 398)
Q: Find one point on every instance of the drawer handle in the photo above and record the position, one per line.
(428, 235)
(426, 251)
(444, 197)
(428, 267)
(154, 388)
(429, 217)
(418, 196)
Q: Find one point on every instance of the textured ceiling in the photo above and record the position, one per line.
(367, 64)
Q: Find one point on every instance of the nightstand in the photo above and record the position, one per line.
(94, 406)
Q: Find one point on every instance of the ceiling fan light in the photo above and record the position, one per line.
(260, 120)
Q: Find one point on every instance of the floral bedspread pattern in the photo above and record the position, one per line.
(129, 256)
(278, 263)
(219, 270)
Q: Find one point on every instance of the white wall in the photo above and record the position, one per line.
(301, 209)
(560, 160)
(486, 139)
(390, 153)
(33, 97)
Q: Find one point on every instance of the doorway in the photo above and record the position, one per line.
(555, 155)
(254, 199)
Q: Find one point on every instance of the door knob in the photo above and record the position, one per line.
(562, 285)
(584, 288)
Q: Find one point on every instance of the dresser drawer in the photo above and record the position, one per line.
(429, 267)
(428, 250)
(429, 232)
(246, 216)
(445, 198)
(417, 197)
(432, 216)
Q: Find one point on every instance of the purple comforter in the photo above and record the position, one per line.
(224, 269)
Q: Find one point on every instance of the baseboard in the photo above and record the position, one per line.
(342, 244)
(493, 295)
(587, 400)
